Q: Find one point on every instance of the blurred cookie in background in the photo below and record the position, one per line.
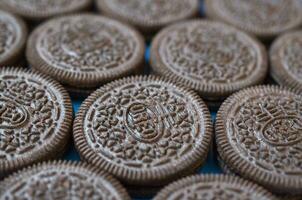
(149, 16)
(85, 51)
(39, 10)
(210, 57)
(265, 19)
(13, 36)
(286, 60)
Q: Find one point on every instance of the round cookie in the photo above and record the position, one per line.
(265, 19)
(212, 58)
(35, 119)
(149, 16)
(286, 60)
(62, 180)
(146, 131)
(258, 136)
(12, 39)
(37, 10)
(85, 51)
(209, 187)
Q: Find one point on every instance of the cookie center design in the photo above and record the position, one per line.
(12, 115)
(144, 122)
(208, 54)
(143, 125)
(283, 131)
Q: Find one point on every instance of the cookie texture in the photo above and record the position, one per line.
(286, 60)
(85, 50)
(258, 136)
(62, 180)
(12, 39)
(149, 16)
(212, 58)
(35, 119)
(209, 187)
(144, 130)
(265, 19)
(37, 10)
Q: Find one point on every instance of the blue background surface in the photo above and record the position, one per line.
(210, 166)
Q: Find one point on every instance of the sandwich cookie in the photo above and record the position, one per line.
(85, 51)
(62, 180)
(35, 119)
(146, 131)
(212, 58)
(258, 136)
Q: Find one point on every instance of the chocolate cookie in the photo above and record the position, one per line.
(12, 39)
(209, 187)
(209, 57)
(144, 130)
(35, 119)
(265, 19)
(149, 16)
(258, 136)
(286, 60)
(37, 10)
(84, 51)
(62, 180)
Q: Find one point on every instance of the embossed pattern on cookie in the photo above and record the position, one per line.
(258, 135)
(12, 38)
(62, 180)
(35, 119)
(85, 50)
(148, 15)
(263, 18)
(209, 57)
(42, 9)
(143, 130)
(286, 60)
(209, 187)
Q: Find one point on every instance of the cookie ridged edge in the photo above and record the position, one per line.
(147, 177)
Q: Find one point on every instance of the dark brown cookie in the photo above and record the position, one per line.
(37, 10)
(35, 119)
(12, 39)
(286, 60)
(265, 19)
(149, 16)
(144, 130)
(258, 136)
(209, 187)
(84, 51)
(209, 57)
(62, 180)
